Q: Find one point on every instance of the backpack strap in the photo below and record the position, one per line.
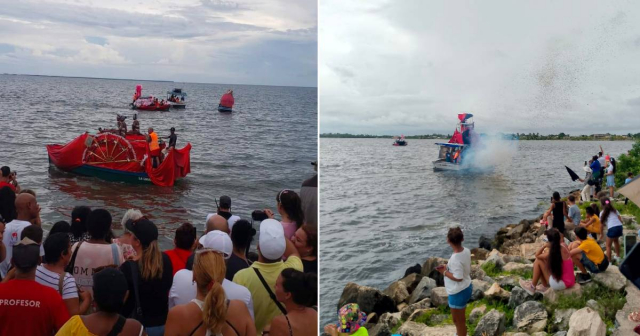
(61, 277)
(137, 310)
(114, 253)
(72, 262)
(273, 296)
(118, 326)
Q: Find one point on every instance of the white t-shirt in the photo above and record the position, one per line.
(602, 161)
(610, 168)
(460, 266)
(91, 256)
(612, 220)
(51, 279)
(12, 232)
(183, 290)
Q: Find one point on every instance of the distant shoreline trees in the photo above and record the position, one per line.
(512, 136)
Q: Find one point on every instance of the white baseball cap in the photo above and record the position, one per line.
(271, 242)
(219, 241)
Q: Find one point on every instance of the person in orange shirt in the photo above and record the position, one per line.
(154, 147)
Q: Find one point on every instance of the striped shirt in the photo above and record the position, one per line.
(51, 279)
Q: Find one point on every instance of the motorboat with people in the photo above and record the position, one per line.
(148, 103)
(226, 102)
(113, 157)
(454, 154)
(400, 141)
(176, 98)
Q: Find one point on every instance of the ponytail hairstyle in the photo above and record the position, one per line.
(150, 262)
(607, 209)
(555, 253)
(292, 205)
(302, 286)
(209, 270)
(79, 217)
(613, 163)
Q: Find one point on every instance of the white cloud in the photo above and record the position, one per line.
(410, 66)
(207, 40)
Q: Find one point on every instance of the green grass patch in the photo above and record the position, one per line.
(396, 327)
(441, 310)
(497, 305)
(494, 271)
(610, 301)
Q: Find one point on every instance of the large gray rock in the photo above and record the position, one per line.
(611, 278)
(439, 296)
(422, 290)
(417, 313)
(479, 253)
(477, 272)
(477, 313)
(380, 330)
(492, 324)
(553, 295)
(495, 292)
(517, 267)
(515, 259)
(508, 281)
(497, 260)
(407, 311)
(488, 280)
(429, 270)
(586, 322)
(397, 291)
(419, 329)
(530, 317)
(593, 304)
(411, 281)
(516, 232)
(390, 319)
(369, 299)
(539, 333)
(518, 297)
(560, 320)
(560, 333)
(479, 287)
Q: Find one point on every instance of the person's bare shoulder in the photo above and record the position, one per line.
(132, 327)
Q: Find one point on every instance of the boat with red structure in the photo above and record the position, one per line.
(451, 155)
(226, 102)
(112, 157)
(400, 141)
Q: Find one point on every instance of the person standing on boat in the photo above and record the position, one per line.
(122, 126)
(173, 138)
(154, 147)
(135, 126)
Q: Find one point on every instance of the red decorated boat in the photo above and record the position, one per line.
(150, 104)
(112, 157)
(226, 102)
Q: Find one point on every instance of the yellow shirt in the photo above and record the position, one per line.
(74, 327)
(595, 227)
(592, 250)
(264, 308)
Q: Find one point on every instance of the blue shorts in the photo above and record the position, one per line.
(460, 299)
(614, 232)
(610, 181)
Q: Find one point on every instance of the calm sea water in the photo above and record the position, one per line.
(266, 145)
(383, 208)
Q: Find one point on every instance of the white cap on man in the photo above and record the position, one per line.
(219, 241)
(272, 243)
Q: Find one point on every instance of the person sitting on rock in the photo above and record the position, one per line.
(350, 322)
(592, 223)
(587, 255)
(553, 267)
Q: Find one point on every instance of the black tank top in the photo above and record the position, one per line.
(558, 216)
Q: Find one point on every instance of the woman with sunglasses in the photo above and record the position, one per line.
(210, 313)
(149, 277)
(290, 209)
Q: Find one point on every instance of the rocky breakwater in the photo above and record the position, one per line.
(417, 303)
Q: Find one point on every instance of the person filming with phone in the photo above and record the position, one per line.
(8, 179)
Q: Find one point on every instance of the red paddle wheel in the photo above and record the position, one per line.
(108, 148)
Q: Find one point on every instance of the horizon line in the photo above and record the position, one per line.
(152, 80)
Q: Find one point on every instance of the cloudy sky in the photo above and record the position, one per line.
(408, 67)
(272, 42)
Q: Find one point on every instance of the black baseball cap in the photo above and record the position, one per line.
(143, 229)
(5, 171)
(225, 202)
(26, 254)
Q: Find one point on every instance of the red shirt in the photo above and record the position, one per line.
(29, 308)
(5, 184)
(178, 258)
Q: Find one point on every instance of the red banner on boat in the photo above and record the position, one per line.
(456, 138)
(175, 165)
